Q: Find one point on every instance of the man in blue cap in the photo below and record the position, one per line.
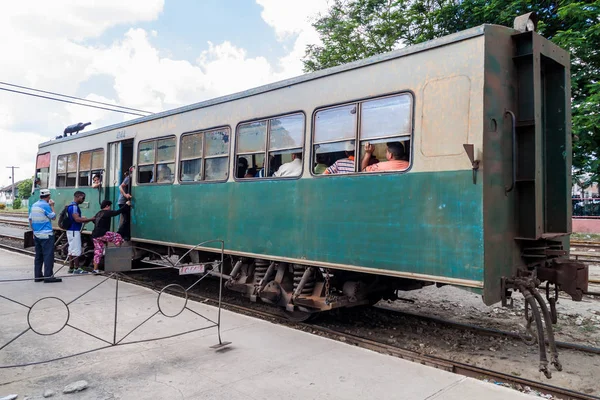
(40, 219)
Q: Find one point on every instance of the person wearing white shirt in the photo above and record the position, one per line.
(292, 168)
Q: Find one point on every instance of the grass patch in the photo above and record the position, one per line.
(590, 237)
(11, 211)
(588, 328)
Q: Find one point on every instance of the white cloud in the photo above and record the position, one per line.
(47, 50)
(292, 18)
(17, 150)
(75, 20)
(229, 70)
(42, 48)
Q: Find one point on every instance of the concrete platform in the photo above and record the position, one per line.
(265, 361)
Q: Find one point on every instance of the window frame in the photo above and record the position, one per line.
(154, 163)
(79, 170)
(203, 158)
(38, 170)
(66, 173)
(267, 149)
(357, 129)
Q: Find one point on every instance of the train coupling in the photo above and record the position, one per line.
(569, 276)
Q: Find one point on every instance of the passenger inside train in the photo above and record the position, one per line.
(96, 181)
(242, 167)
(343, 164)
(395, 156)
(165, 175)
(291, 168)
(321, 163)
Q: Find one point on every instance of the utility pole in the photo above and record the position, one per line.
(12, 175)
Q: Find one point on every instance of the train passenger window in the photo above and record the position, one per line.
(270, 148)
(387, 117)
(385, 130)
(251, 146)
(90, 163)
(216, 155)
(145, 173)
(146, 153)
(383, 136)
(42, 171)
(334, 140)
(286, 139)
(204, 156)
(66, 170)
(165, 160)
(156, 161)
(191, 158)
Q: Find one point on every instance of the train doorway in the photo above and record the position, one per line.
(120, 158)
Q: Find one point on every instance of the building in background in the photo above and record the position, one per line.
(586, 193)
(6, 197)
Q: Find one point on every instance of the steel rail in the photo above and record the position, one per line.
(585, 243)
(6, 235)
(13, 222)
(13, 214)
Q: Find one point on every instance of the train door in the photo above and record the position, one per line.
(120, 158)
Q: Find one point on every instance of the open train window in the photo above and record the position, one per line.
(381, 127)
(156, 161)
(270, 148)
(66, 170)
(204, 156)
(42, 171)
(91, 163)
(334, 140)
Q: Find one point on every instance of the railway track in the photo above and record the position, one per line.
(13, 214)
(14, 222)
(585, 250)
(385, 348)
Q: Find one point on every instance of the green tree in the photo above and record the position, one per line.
(24, 188)
(355, 29)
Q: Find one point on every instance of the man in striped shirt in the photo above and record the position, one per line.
(343, 165)
(40, 217)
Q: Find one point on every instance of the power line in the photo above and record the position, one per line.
(72, 97)
(72, 102)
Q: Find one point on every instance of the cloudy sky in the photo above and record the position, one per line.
(152, 55)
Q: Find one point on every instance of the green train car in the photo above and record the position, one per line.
(476, 194)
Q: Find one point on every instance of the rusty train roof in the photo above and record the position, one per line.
(443, 41)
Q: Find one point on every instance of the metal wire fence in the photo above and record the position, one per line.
(586, 207)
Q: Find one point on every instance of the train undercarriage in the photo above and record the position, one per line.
(303, 291)
(300, 291)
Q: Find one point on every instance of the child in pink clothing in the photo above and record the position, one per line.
(101, 234)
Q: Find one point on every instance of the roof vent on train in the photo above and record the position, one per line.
(526, 22)
(73, 129)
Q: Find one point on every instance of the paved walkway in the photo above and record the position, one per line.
(265, 361)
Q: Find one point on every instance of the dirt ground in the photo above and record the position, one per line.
(578, 322)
